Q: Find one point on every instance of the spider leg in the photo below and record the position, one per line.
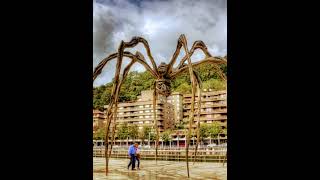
(141, 60)
(183, 41)
(199, 87)
(196, 45)
(115, 95)
(125, 73)
(135, 41)
(155, 119)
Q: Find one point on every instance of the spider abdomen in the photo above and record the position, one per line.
(163, 86)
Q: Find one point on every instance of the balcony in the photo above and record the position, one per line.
(138, 119)
(139, 109)
(140, 114)
(204, 118)
(206, 106)
(205, 112)
(188, 101)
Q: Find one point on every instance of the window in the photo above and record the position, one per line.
(147, 111)
(216, 115)
(141, 106)
(140, 117)
(147, 116)
(140, 111)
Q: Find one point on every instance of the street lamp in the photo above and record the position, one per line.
(178, 139)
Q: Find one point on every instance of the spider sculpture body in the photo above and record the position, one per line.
(163, 75)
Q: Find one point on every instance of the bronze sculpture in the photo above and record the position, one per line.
(163, 74)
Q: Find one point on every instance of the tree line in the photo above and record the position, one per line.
(126, 132)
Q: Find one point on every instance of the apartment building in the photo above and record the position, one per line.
(141, 112)
(213, 107)
(170, 111)
(176, 99)
(98, 119)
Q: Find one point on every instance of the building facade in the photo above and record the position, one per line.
(98, 119)
(213, 108)
(140, 113)
(176, 99)
(170, 111)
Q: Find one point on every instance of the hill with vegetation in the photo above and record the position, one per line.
(139, 81)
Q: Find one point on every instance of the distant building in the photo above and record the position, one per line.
(98, 119)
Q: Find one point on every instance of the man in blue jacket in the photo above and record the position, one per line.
(132, 153)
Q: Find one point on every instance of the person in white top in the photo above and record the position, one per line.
(138, 157)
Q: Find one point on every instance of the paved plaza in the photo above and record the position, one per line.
(160, 170)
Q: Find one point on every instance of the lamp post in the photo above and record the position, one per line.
(178, 139)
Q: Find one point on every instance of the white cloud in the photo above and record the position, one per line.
(160, 23)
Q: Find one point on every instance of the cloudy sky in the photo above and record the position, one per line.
(160, 22)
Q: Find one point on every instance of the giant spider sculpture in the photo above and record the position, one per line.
(163, 74)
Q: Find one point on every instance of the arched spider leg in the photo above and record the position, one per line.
(199, 87)
(196, 45)
(155, 118)
(103, 63)
(182, 42)
(133, 42)
(124, 75)
(115, 89)
(211, 60)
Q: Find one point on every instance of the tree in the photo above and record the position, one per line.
(204, 132)
(122, 132)
(214, 84)
(166, 136)
(133, 131)
(179, 125)
(214, 130)
(100, 134)
(95, 128)
(144, 133)
(184, 88)
(224, 131)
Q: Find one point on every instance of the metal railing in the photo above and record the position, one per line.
(215, 154)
